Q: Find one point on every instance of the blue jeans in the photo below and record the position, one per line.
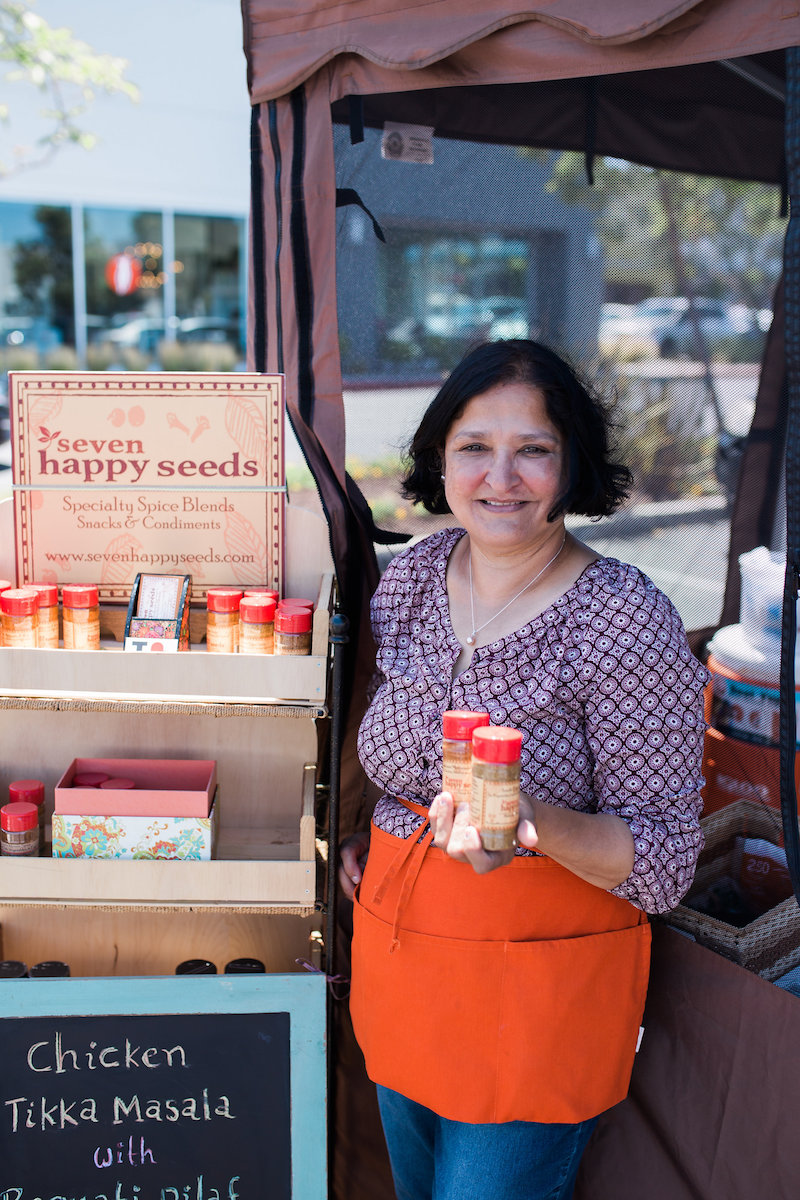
(436, 1159)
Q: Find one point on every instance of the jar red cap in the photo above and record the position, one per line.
(5, 584)
(119, 783)
(19, 816)
(292, 620)
(223, 599)
(459, 725)
(48, 593)
(19, 602)
(31, 791)
(296, 602)
(89, 778)
(80, 595)
(256, 608)
(262, 591)
(497, 744)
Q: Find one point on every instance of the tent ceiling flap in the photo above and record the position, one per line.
(381, 45)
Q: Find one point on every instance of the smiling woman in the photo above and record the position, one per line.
(543, 946)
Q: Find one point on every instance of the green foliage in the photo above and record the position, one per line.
(67, 73)
(730, 231)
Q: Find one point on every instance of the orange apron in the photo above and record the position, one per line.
(516, 995)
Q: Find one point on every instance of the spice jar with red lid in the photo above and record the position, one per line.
(293, 631)
(494, 805)
(222, 623)
(19, 828)
(19, 612)
(81, 616)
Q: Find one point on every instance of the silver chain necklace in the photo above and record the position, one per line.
(470, 641)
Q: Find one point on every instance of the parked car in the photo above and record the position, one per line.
(459, 318)
(208, 329)
(663, 327)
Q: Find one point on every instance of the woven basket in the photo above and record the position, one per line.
(768, 946)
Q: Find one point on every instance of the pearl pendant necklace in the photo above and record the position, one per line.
(476, 629)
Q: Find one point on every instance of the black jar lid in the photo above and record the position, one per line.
(245, 966)
(196, 966)
(12, 968)
(49, 970)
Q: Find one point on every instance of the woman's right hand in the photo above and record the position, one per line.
(352, 860)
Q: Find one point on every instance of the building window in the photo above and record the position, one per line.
(209, 290)
(125, 278)
(37, 318)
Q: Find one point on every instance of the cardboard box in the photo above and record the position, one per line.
(124, 836)
(165, 787)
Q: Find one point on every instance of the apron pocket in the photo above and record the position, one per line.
(498, 1031)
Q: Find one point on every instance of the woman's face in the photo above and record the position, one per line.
(504, 467)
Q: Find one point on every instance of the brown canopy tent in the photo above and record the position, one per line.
(705, 86)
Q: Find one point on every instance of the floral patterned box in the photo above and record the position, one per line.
(120, 836)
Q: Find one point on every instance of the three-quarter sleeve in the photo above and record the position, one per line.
(645, 729)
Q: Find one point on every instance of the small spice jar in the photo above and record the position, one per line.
(457, 729)
(494, 804)
(19, 828)
(12, 968)
(245, 966)
(48, 614)
(29, 791)
(256, 625)
(263, 591)
(296, 602)
(49, 970)
(196, 966)
(81, 616)
(222, 625)
(19, 608)
(293, 631)
(89, 779)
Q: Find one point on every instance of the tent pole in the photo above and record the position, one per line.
(788, 716)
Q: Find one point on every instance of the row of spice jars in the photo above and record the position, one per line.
(256, 621)
(29, 616)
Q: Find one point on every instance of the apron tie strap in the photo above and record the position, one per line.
(411, 857)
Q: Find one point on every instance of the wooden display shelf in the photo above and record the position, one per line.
(254, 870)
(194, 676)
(245, 886)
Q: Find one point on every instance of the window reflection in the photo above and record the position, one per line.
(208, 281)
(37, 324)
(125, 279)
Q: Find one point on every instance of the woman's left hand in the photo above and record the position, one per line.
(453, 833)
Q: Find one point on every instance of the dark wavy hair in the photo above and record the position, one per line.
(595, 484)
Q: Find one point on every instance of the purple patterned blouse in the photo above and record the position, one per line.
(602, 683)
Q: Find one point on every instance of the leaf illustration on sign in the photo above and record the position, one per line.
(247, 425)
(119, 559)
(246, 548)
(42, 412)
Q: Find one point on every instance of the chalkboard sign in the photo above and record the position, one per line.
(136, 1099)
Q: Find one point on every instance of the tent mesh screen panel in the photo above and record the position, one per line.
(657, 286)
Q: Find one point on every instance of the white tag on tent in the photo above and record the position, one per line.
(407, 143)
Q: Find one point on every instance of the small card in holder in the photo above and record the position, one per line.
(158, 613)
